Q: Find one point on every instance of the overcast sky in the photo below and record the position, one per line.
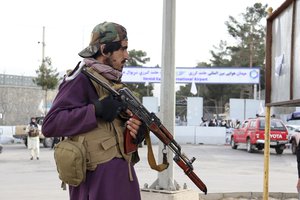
(68, 24)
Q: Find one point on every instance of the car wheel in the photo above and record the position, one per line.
(233, 144)
(47, 142)
(279, 150)
(249, 146)
(260, 148)
(294, 147)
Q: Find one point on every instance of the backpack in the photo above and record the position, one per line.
(70, 159)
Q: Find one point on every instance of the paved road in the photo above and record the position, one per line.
(222, 169)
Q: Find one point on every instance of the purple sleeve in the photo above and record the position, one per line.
(72, 112)
(298, 159)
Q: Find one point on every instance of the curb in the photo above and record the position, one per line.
(248, 195)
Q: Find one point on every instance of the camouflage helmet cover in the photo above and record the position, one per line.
(103, 33)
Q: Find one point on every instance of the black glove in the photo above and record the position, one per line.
(108, 108)
(140, 136)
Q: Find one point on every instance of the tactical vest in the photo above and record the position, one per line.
(106, 141)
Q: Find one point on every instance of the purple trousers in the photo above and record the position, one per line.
(110, 181)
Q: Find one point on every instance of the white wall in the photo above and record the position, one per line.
(210, 135)
(193, 133)
(6, 134)
(194, 111)
(197, 135)
(241, 109)
(151, 104)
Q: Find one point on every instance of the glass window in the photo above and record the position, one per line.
(245, 124)
(275, 125)
(253, 124)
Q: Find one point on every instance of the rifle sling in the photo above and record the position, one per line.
(151, 158)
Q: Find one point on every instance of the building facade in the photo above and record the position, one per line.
(21, 98)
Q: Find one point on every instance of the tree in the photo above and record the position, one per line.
(47, 78)
(222, 57)
(138, 59)
(248, 51)
(250, 34)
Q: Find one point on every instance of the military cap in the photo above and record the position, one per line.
(102, 34)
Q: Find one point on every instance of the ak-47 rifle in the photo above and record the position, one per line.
(155, 126)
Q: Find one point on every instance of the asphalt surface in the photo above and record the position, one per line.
(221, 168)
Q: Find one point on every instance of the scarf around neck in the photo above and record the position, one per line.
(105, 70)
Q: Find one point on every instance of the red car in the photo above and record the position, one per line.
(252, 134)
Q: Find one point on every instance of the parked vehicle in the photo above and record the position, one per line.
(252, 134)
(293, 129)
(1, 147)
(293, 126)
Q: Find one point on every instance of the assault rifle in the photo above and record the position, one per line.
(155, 126)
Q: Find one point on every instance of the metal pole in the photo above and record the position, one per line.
(167, 100)
(43, 65)
(267, 144)
(43, 47)
(266, 154)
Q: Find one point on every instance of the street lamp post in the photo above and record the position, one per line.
(43, 66)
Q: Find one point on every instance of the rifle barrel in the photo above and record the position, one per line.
(189, 172)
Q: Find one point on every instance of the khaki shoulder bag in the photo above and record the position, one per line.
(70, 159)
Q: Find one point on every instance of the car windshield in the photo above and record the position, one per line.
(276, 125)
(293, 122)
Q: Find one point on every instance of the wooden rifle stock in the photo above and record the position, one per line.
(155, 126)
(165, 137)
(129, 145)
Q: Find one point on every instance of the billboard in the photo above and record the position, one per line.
(282, 55)
(232, 75)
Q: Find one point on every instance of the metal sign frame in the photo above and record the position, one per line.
(283, 34)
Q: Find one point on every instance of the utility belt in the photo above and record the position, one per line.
(98, 149)
(77, 154)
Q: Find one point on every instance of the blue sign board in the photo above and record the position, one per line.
(198, 75)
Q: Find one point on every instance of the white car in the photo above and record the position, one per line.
(293, 129)
(293, 126)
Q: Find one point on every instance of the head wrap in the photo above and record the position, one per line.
(103, 33)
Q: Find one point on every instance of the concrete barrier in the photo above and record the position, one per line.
(198, 135)
(248, 195)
